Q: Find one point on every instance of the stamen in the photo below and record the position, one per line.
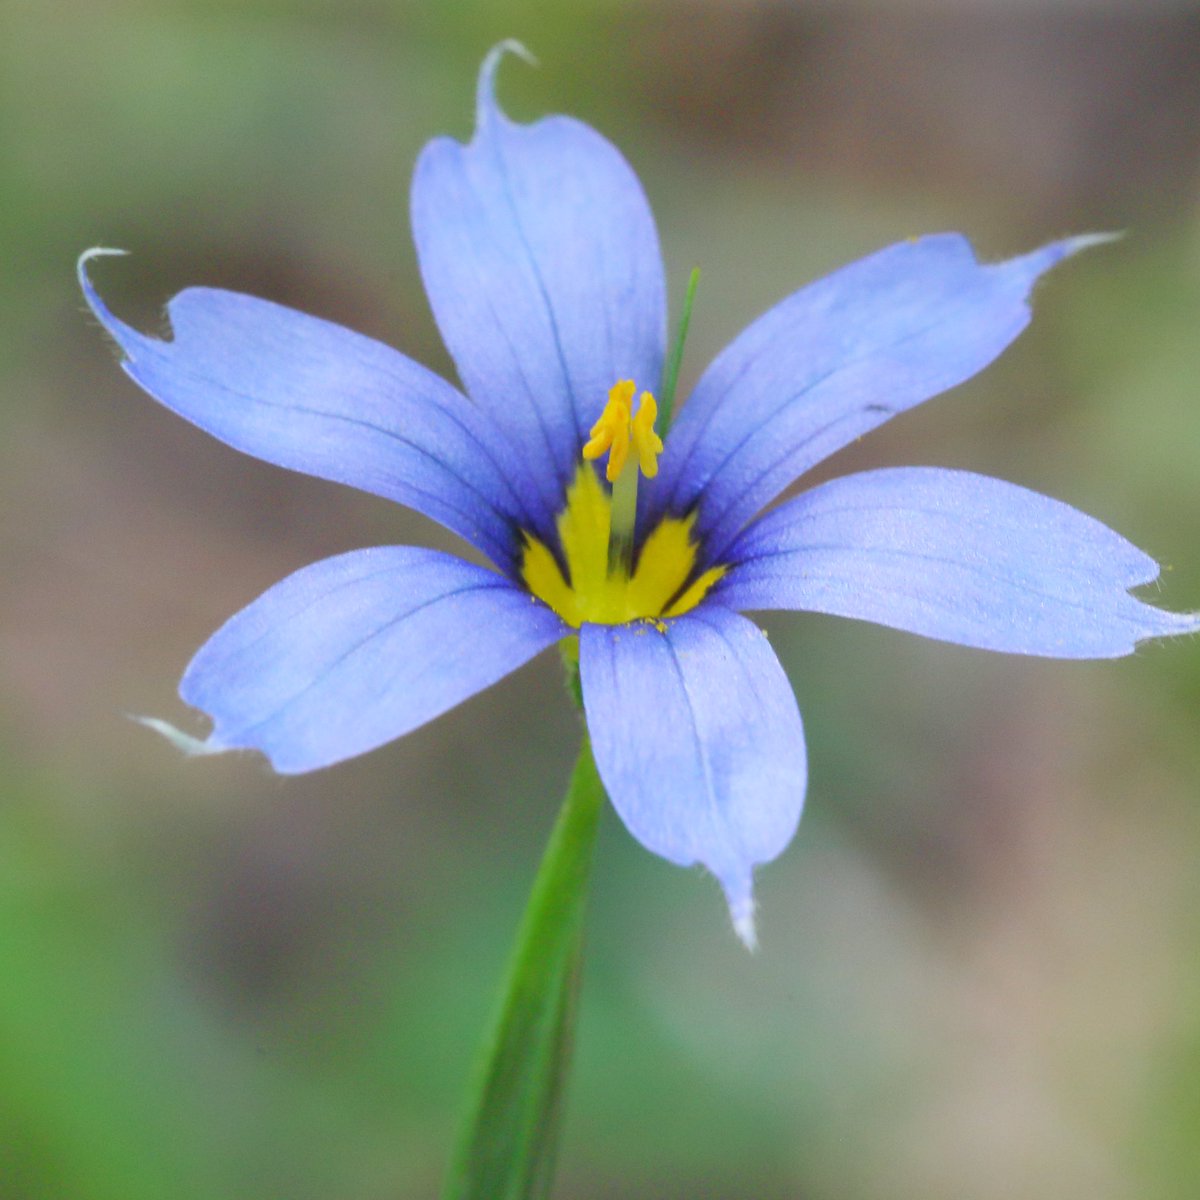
(611, 432)
(648, 443)
(614, 433)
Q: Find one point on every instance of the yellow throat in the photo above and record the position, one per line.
(604, 584)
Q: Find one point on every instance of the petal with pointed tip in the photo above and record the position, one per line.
(542, 264)
(303, 393)
(356, 650)
(954, 556)
(832, 362)
(698, 741)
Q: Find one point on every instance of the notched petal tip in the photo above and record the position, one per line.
(1084, 241)
(486, 107)
(1143, 585)
(742, 914)
(121, 333)
(1162, 623)
(191, 746)
(96, 252)
(738, 885)
(1056, 252)
(1045, 257)
(85, 282)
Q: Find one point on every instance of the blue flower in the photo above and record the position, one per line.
(541, 261)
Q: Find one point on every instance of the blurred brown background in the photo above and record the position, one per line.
(979, 975)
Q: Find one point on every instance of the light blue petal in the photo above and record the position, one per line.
(698, 742)
(542, 264)
(954, 556)
(833, 361)
(356, 650)
(307, 394)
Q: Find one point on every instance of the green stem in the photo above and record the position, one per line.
(507, 1143)
(670, 380)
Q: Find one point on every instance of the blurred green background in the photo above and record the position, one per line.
(979, 974)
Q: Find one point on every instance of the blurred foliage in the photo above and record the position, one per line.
(979, 974)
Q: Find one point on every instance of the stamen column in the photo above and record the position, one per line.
(615, 432)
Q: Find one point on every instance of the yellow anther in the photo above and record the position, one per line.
(647, 443)
(611, 432)
(617, 427)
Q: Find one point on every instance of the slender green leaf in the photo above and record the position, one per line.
(670, 380)
(507, 1145)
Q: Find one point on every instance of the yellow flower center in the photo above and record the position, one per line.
(603, 584)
